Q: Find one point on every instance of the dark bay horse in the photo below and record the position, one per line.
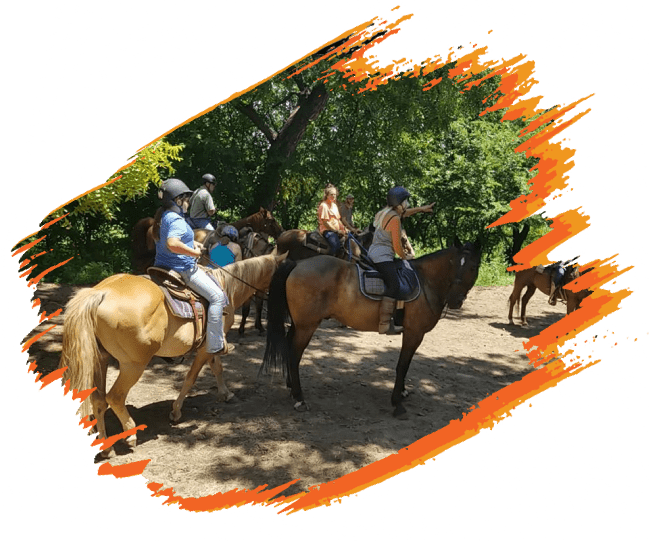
(253, 244)
(533, 280)
(144, 235)
(325, 287)
(125, 317)
(302, 244)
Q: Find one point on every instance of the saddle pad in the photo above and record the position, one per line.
(179, 308)
(372, 285)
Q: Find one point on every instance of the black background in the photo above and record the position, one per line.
(93, 85)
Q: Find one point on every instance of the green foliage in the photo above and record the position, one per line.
(430, 139)
(128, 184)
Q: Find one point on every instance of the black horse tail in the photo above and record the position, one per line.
(278, 343)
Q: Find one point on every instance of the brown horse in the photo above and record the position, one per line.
(145, 235)
(533, 280)
(126, 317)
(325, 287)
(253, 244)
(302, 244)
(261, 221)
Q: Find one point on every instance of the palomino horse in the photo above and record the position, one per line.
(533, 280)
(126, 317)
(326, 287)
(144, 235)
(299, 246)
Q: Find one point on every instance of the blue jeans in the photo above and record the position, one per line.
(334, 241)
(198, 281)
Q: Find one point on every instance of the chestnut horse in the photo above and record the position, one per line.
(126, 317)
(325, 287)
(144, 235)
(533, 280)
(298, 245)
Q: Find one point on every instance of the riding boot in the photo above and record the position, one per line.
(386, 321)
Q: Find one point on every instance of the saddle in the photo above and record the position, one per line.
(182, 301)
(373, 287)
(315, 241)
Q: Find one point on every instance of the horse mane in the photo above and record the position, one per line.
(248, 270)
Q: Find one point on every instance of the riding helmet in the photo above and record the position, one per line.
(208, 177)
(172, 188)
(397, 195)
(231, 232)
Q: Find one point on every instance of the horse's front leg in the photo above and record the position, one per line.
(223, 393)
(410, 343)
(200, 359)
(259, 305)
(245, 310)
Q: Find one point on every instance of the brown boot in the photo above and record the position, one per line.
(386, 322)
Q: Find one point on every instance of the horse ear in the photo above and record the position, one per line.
(457, 242)
(477, 245)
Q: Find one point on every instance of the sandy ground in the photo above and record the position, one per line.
(347, 376)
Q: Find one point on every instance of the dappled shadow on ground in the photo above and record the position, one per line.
(347, 378)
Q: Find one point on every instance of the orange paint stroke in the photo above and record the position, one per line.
(485, 415)
(516, 82)
(26, 246)
(594, 308)
(563, 227)
(108, 442)
(45, 316)
(36, 279)
(33, 339)
(53, 376)
(123, 470)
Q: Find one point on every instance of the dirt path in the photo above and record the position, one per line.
(347, 377)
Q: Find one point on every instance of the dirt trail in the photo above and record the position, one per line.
(347, 377)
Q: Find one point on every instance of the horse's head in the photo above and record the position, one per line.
(268, 224)
(466, 264)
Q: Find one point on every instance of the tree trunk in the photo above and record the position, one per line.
(283, 144)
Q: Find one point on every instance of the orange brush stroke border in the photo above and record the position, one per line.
(554, 163)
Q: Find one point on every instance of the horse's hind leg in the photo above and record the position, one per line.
(528, 295)
(513, 299)
(129, 374)
(99, 404)
(299, 339)
(411, 342)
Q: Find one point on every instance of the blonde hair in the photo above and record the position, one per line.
(329, 188)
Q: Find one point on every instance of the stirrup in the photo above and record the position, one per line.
(394, 329)
(227, 348)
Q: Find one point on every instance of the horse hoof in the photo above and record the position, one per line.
(224, 397)
(400, 413)
(131, 441)
(301, 406)
(106, 453)
(174, 416)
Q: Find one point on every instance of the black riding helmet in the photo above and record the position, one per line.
(172, 188)
(208, 177)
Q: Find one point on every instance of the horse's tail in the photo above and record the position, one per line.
(277, 341)
(80, 353)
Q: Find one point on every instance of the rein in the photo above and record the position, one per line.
(209, 260)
